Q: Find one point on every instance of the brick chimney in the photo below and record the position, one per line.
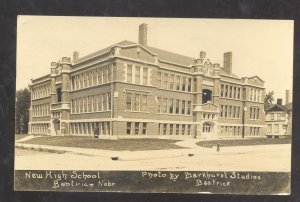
(75, 56)
(287, 96)
(202, 54)
(279, 101)
(227, 62)
(143, 34)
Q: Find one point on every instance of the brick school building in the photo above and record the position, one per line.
(134, 90)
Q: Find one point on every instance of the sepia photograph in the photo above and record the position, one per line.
(110, 104)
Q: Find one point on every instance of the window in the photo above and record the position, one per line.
(171, 106)
(136, 102)
(100, 103)
(188, 129)
(145, 76)
(144, 129)
(177, 82)
(100, 75)
(222, 90)
(58, 92)
(166, 78)
(269, 128)
(95, 75)
(89, 104)
(159, 105)
(128, 129)
(182, 129)
(189, 85)
(183, 84)
(177, 107)
(189, 107)
(136, 128)
(85, 77)
(109, 73)
(109, 100)
(225, 91)
(230, 92)
(164, 105)
(221, 110)
(159, 75)
(171, 129)
(105, 74)
(177, 129)
(129, 73)
(165, 129)
(278, 116)
(144, 103)
(171, 81)
(137, 74)
(90, 78)
(183, 107)
(272, 117)
(95, 102)
(104, 102)
(128, 101)
(276, 128)
(206, 95)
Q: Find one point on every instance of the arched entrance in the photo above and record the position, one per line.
(208, 128)
(56, 124)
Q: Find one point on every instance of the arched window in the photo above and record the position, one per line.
(206, 95)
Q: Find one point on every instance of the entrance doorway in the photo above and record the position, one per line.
(207, 128)
(56, 123)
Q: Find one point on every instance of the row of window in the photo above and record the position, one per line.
(137, 74)
(93, 103)
(41, 110)
(231, 130)
(174, 106)
(275, 128)
(276, 117)
(208, 116)
(254, 131)
(136, 102)
(228, 111)
(254, 113)
(89, 128)
(40, 92)
(174, 82)
(255, 95)
(96, 76)
(40, 128)
(136, 128)
(174, 129)
(229, 91)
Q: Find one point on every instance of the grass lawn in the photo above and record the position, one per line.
(244, 142)
(20, 136)
(116, 145)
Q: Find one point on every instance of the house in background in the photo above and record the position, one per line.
(279, 118)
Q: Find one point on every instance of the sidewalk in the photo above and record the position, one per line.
(122, 155)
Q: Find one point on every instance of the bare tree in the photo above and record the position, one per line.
(269, 98)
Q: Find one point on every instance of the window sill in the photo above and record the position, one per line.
(187, 115)
(92, 112)
(146, 112)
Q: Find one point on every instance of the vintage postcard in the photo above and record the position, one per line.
(153, 105)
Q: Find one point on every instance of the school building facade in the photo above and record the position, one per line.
(132, 89)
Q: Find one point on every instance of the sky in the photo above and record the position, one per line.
(259, 47)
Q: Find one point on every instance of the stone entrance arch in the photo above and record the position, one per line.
(208, 128)
(56, 124)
